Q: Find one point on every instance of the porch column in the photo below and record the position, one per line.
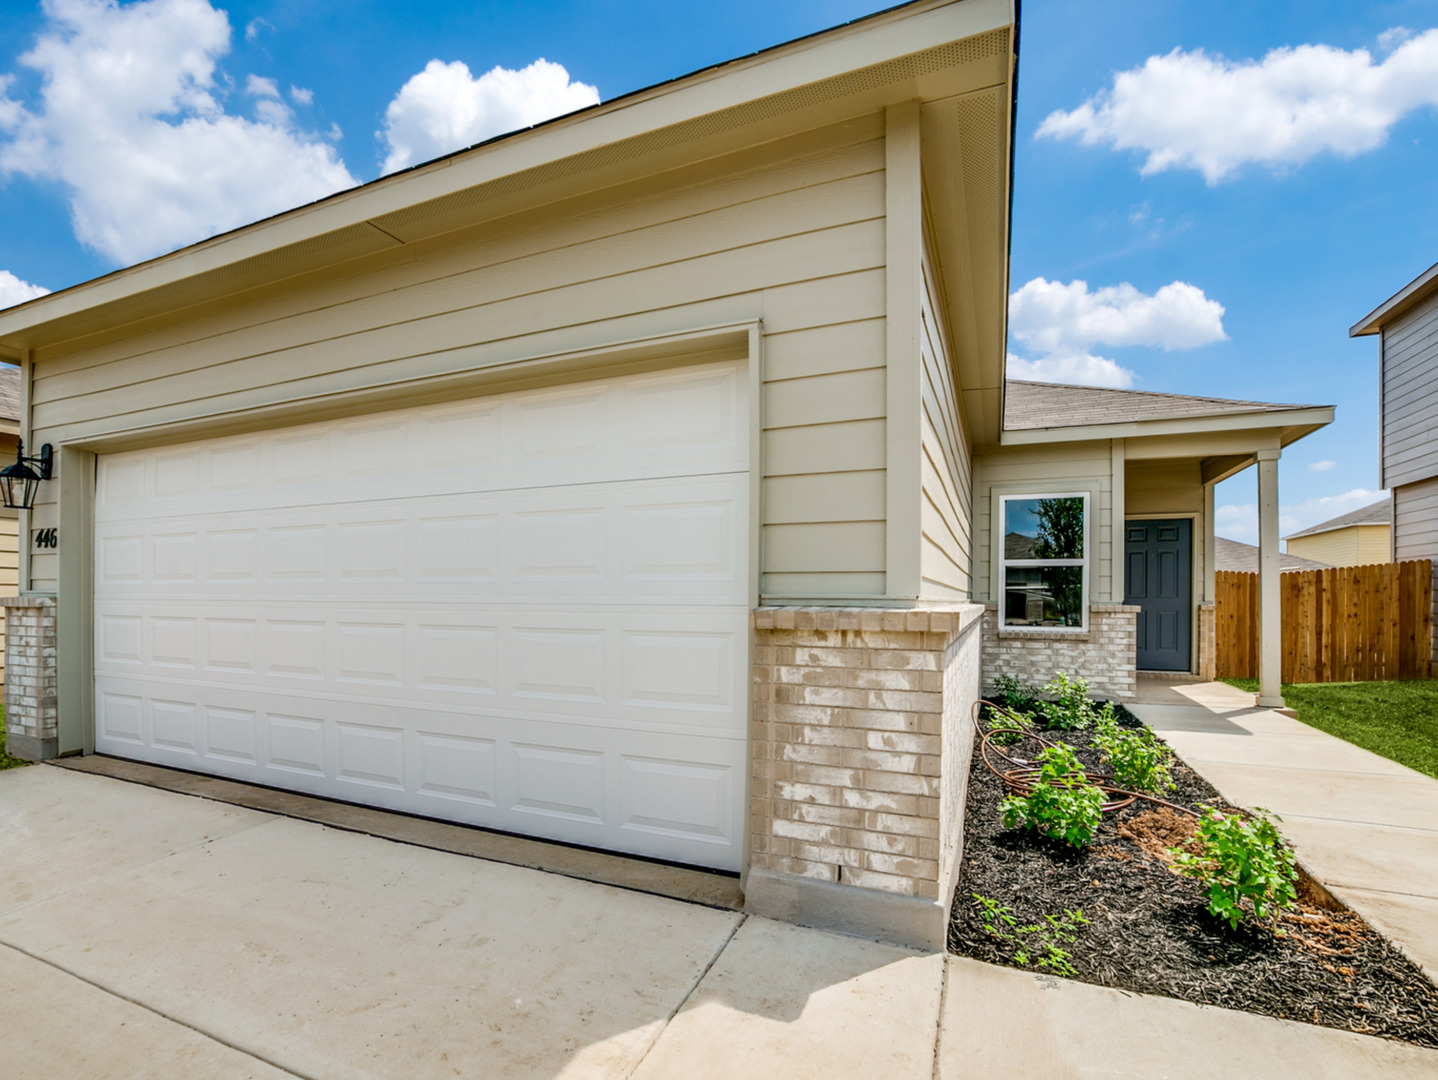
(1270, 633)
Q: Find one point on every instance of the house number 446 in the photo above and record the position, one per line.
(47, 539)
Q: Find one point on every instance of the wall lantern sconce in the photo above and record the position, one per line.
(19, 482)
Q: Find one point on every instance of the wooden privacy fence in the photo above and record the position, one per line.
(1347, 624)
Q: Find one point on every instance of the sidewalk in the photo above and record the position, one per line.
(147, 933)
(1365, 826)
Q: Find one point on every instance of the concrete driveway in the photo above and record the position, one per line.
(146, 933)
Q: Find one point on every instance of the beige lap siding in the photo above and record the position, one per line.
(860, 751)
(790, 233)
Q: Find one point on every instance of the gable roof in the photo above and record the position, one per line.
(1412, 294)
(1380, 513)
(1243, 558)
(1030, 406)
(955, 60)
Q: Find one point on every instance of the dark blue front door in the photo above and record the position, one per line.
(1158, 576)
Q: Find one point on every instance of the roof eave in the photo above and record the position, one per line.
(1413, 293)
(1295, 423)
(889, 35)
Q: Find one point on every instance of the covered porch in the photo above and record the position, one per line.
(1143, 468)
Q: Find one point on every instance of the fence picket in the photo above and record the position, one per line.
(1346, 624)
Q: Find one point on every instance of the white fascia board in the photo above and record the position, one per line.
(1314, 417)
(910, 29)
(1410, 294)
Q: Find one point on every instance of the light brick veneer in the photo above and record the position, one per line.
(31, 716)
(861, 745)
(1104, 654)
(1207, 643)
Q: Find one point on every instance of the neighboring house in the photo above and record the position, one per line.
(1357, 538)
(639, 480)
(1241, 558)
(1407, 328)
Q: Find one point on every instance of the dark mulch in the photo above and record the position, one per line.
(1150, 932)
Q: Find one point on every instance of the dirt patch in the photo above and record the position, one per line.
(1149, 930)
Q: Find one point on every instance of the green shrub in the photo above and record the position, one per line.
(1241, 860)
(1062, 803)
(1008, 727)
(1138, 760)
(1014, 695)
(1067, 707)
(1047, 952)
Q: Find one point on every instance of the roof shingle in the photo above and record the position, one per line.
(1036, 405)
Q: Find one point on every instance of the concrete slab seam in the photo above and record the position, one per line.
(939, 1027)
(743, 918)
(157, 1012)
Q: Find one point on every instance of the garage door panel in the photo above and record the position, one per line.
(679, 424)
(661, 670)
(527, 612)
(672, 796)
(649, 542)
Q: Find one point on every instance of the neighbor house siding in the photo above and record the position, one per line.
(1356, 545)
(1062, 467)
(946, 511)
(791, 233)
(1415, 521)
(1410, 396)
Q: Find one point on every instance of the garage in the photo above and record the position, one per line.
(526, 611)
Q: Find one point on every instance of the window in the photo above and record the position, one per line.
(1044, 564)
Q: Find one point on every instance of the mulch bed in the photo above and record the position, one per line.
(1149, 929)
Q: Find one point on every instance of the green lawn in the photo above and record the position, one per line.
(1396, 719)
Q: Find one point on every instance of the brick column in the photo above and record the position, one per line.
(861, 749)
(1207, 643)
(32, 727)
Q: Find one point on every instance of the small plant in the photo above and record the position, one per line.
(1068, 707)
(1062, 803)
(1047, 937)
(1138, 760)
(1241, 860)
(1007, 727)
(1014, 695)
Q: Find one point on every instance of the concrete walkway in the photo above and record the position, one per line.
(1365, 826)
(148, 933)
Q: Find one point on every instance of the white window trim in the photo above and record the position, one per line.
(1005, 562)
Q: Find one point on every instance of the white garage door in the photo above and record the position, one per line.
(528, 612)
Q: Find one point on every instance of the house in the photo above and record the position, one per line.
(1240, 558)
(1407, 404)
(1358, 538)
(639, 480)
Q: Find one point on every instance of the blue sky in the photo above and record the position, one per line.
(1207, 195)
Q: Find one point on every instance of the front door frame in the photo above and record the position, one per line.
(1199, 556)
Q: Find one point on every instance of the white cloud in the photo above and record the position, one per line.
(254, 27)
(256, 86)
(444, 108)
(1321, 466)
(129, 119)
(301, 96)
(14, 291)
(1061, 323)
(1052, 316)
(1079, 369)
(1239, 521)
(1190, 110)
